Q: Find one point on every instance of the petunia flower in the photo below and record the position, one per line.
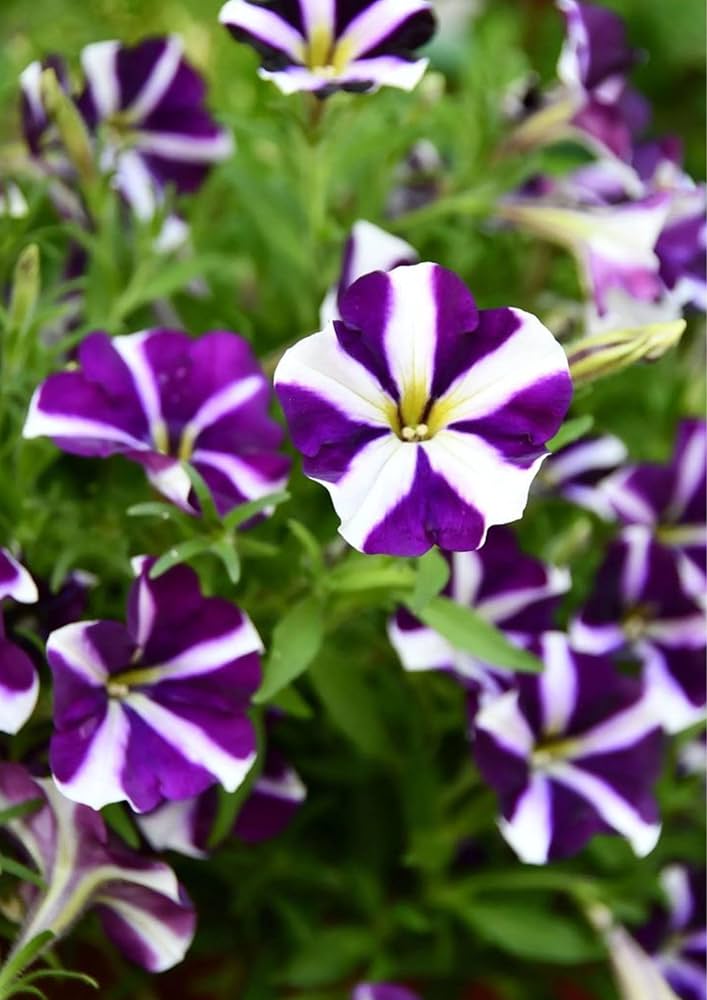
(596, 56)
(186, 826)
(141, 905)
(368, 248)
(671, 500)
(382, 991)
(328, 45)
(579, 471)
(161, 398)
(154, 709)
(515, 592)
(675, 935)
(19, 683)
(424, 418)
(640, 607)
(571, 752)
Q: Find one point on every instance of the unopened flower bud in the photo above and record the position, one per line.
(72, 130)
(603, 354)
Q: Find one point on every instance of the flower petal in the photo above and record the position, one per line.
(15, 581)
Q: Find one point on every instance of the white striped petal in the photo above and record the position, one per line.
(619, 732)
(99, 779)
(20, 587)
(130, 349)
(40, 423)
(420, 648)
(17, 706)
(376, 22)
(529, 830)
(671, 706)
(165, 946)
(72, 643)
(265, 25)
(244, 476)
(318, 16)
(502, 606)
(185, 147)
(99, 64)
(222, 402)
(212, 654)
(158, 81)
(557, 684)
(170, 827)
(504, 721)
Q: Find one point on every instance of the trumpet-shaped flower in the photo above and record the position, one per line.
(424, 418)
(139, 901)
(155, 709)
(328, 45)
(640, 606)
(19, 683)
(596, 55)
(162, 398)
(513, 591)
(571, 752)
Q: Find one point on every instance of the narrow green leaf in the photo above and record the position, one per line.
(432, 576)
(21, 809)
(370, 572)
(245, 511)
(178, 554)
(296, 640)
(19, 870)
(570, 431)
(290, 701)
(24, 957)
(203, 493)
(353, 705)
(466, 630)
(154, 508)
(226, 551)
(309, 543)
(117, 819)
(79, 977)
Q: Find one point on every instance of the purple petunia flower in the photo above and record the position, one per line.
(671, 500)
(141, 905)
(571, 752)
(639, 605)
(579, 471)
(19, 683)
(424, 418)
(161, 398)
(596, 56)
(508, 588)
(155, 709)
(328, 45)
(676, 934)
(382, 991)
(186, 826)
(368, 248)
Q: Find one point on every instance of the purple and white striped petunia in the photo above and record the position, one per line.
(368, 248)
(571, 752)
(640, 606)
(139, 901)
(671, 499)
(596, 56)
(579, 471)
(424, 418)
(19, 683)
(515, 592)
(147, 103)
(328, 45)
(155, 709)
(382, 991)
(161, 398)
(186, 826)
(675, 935)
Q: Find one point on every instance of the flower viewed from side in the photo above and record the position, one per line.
(425, 418)
(19, 683)
(155, 709)
(186, 826)
(382, 991)
(671, 500)
(515, 592)
(571, 752)
(676, 933)
(162, 398)
(596, 56)
(578, 471)
(328, 45)
(141, 905)
(368, 248)
(640, 607)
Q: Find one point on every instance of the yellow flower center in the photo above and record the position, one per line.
(324, 55)
(417, 417)
(551, 751)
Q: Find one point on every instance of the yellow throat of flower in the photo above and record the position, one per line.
(417, 417)
(324, 55)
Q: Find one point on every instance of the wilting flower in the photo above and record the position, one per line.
(368, 248)
(671, 499)
(676, 933)
(186, 826)
(578, 471)
(141, 905)
(161, 398)
(382, 991)
(423, 417)
(571, 752)
(334, 45)
(155, 709)
(144, 106)
(19, 683)
(640, 606)
(513, 591)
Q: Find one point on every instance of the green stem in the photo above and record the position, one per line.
(471, 203)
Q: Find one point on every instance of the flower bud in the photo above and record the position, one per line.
(603, 354)
(72, 130)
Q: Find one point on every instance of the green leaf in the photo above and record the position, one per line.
(178, 554)
(19, 870)
(79, 977)
(370, 572)
(24, 957)
(353, 705)
(466, 630)
(290, 701)
(329, 956)
(117, 819)
(432, 576)
(529, 931)
(158, 279)
(154, 508)
(20, 810)
(570, 431)
(245, 511)
(226, 551)
(203, 494)
(296, 640)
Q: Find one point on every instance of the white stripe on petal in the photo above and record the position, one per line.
(676, 886)
(99, 779)
(212, 654)
(17, 706)
(503, 720)
(503, 606)
(673, 709)
(690, 631)
(529, 830)
(165, 947)
(192, 742)
(629, 504)
(129, 348)
(171, 827)
(99, 64)
(614, 810)
(420, 648)
(596, 639)
(288, 787)
(184, 147)
(222, 402)
(376, 21)
(618, 732)
(157, 83)
(498, 376)
(264, 24)
(39, 423)
(72, 643)
(146, 609)
(603, 453)
(410, 339)
(135, 183)
(636, 565)
(245, 477)
(172, 482)
(22, 587)
(318, 16)
(557, 684)
(384, 71)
